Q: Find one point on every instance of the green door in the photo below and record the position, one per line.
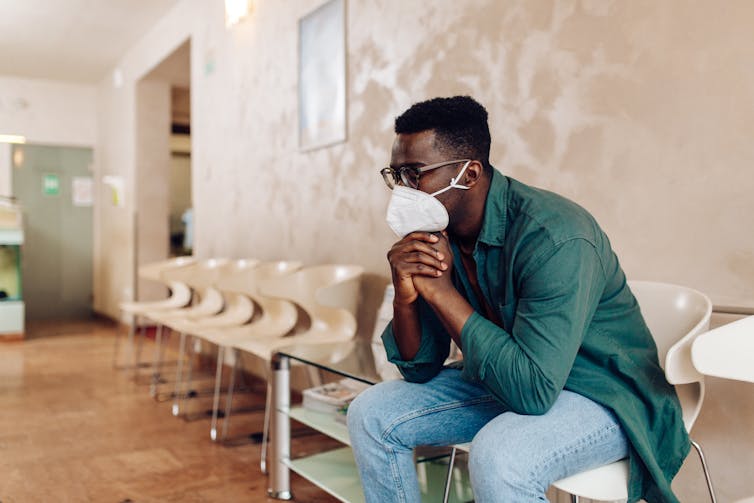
(54, 187)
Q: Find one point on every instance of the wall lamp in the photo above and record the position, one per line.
(235, 11)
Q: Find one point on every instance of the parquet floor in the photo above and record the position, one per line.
(73, 429)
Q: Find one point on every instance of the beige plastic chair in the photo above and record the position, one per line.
(329, 296)
(727, 352)
(237, 310)
(273, 318)
(201, 278)
(180, 296)
(675, 315)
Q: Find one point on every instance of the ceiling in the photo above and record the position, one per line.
(72, 40)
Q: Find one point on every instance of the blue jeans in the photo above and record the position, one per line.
(513, 457)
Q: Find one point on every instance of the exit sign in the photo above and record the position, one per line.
(50, 185)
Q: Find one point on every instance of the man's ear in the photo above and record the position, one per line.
(473, 173)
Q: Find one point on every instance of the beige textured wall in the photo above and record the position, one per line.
(639, 110)
(48, 112)
(152, 179)
(634, 109)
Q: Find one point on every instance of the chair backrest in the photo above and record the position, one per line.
(676, 315)
(247, 282)
(202, 276)
(727, 351)
(273, 311)
(236, 308)
(153, 271)
(329, 294)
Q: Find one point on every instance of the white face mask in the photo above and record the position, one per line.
(412, 210)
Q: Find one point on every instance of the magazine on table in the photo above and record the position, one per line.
(334, 397)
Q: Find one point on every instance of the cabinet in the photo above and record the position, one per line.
(11, 301)
(335, 471)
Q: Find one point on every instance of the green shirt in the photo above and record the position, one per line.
(569, 321)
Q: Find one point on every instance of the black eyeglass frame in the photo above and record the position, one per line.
(400, 175)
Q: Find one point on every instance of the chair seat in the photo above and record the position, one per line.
(174, 302)
(263, 328)
(606, 483)
(264, 347)
(180, 296)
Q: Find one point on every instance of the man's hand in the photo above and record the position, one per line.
(416, 257)
(429, 285)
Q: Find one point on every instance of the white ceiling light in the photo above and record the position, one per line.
(235, 11)
(12, 138)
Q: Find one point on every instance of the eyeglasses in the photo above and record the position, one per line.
(409, 175)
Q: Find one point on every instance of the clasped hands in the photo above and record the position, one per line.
(421, 265)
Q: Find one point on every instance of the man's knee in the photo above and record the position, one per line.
(498, 463)
(369, 413)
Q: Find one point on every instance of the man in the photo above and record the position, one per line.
(560, 373)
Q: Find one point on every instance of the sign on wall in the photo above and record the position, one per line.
(50, 184)
(82, 191)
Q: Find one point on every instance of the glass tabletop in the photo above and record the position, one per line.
(352, 359)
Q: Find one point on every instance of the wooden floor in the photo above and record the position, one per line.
(73, 429)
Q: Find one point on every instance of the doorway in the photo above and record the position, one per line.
(53, 185)
(163, 169)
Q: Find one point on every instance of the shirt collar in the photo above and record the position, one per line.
(495, 211)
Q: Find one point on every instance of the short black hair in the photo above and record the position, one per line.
(459, 123)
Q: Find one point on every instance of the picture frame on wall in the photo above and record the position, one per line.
(322, 76)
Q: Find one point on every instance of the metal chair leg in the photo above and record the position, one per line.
(155, 383)
(130, 340)
(189, 371)
(707, 477)
(229, 396)
(266, 427)
(449, 476)
(216, 398)
(176, 409)
(137, 353)
(574, 498)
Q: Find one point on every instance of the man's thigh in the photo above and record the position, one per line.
(442, 411)
(576, 434)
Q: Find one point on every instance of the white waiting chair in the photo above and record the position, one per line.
(675, 315)
(727, 352)
(329, 296)
(201, 278)
(237, 309)
(273, 318)
(179, 296)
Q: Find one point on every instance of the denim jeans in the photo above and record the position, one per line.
(513, 457)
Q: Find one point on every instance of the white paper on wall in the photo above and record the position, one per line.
(82, 191)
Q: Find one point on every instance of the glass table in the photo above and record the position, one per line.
(335, 471)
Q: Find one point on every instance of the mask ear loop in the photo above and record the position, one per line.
(454, 182)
